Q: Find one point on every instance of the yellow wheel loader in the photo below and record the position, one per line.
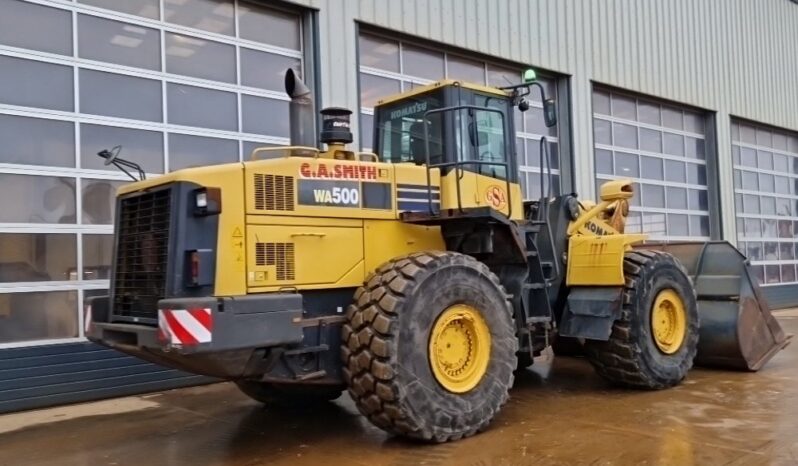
(415, 277)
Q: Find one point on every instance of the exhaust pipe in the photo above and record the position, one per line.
(301, 116)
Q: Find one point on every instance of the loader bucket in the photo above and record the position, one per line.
(737, 330)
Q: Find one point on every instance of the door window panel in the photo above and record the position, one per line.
(36, 257)
(22, 23)
(38, 316)
(117, 42)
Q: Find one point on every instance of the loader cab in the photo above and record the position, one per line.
(451, 125)
(467, 133)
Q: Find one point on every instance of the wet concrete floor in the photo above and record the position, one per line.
(560, 413)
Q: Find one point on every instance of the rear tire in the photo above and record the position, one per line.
(633, 356)
(288, 394)
(389, 335)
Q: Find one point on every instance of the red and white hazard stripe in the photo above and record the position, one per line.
(185, 327)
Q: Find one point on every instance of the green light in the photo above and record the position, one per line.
(530, 76)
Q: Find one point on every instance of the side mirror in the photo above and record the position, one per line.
(550, 112)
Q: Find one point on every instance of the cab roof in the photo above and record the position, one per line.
(442, 83)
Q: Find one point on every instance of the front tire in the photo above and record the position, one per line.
(653, 344)
(429, 346)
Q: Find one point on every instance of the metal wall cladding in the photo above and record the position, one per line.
(733, 57)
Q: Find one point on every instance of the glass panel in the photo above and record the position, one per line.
(625, 135)
(196, 151)
(116, 42)
(376, 52)
(145, 8)
(764, 138)
(258, 116)
(782, 185)
(602, 132)
(673, 144)
(786, 252)
(747, 157)
(693, 122)
(97, 255)
(423, 63)
(779, 141)
(22, 23)
(601, 103)
(269, 26)
(783, 208)
(694, 148)
(677, 198)
(34, 257)
(533, 152)
(764, 160)
(650, 140)
(653, 196)
(99, 201)
(651, 168)
(142, 147)
(47, 199)
(489, 144)
(465, 69)
(753, 227)
(374, 88)
(266, 70)
(677, 225)
(654, 224)
(736, 155)
(759, 273)
(766, 183)
(499, 77)
(36, 84)
(788, 273)
(34, 141)
(200, 58)
(696, 174)
(366, 131)
(750, 204)
(772, 274)
(648, 112)
(672, 117)
(675, 171)
(626, 165)
(698, 199)
(624, 107)
(208, 15)
(38, 316)
(781, 163)
(735, 132)
(99, 94)
(747, 134)
(699, 225)
(768, 205)
(755, 251)
(604, 162)
(206, 108)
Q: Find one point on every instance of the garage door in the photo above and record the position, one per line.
(176, 83)
(766, 205)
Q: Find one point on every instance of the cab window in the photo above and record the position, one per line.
(481, 136)
(401, 132)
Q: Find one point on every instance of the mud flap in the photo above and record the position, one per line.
(591, 311)
(737, 329)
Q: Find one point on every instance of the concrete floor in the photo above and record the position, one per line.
(560, 413)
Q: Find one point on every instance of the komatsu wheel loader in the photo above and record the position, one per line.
(415, 277)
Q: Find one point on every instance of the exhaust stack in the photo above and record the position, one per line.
(302, 118)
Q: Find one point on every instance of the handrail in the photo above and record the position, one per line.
(460, 163)
(281, 148)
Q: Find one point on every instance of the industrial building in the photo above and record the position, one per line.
(694, 100)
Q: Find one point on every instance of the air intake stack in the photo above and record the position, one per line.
(301, 115)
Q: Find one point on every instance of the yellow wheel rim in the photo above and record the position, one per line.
(459, 348)
(668, 321)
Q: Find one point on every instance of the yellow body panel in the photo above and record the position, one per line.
(478, 190)
(384, 240)
(331, 256)
(598, 260)
(596, 248)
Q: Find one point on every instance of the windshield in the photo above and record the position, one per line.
(400, 129)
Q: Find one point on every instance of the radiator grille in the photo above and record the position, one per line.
(274, 192)
(142, 254)
(280, 255)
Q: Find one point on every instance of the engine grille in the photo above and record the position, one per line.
(274, 192)
(142, 254)
(279, 255)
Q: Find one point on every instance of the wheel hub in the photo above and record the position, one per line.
(668, 321)
(459, 348)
